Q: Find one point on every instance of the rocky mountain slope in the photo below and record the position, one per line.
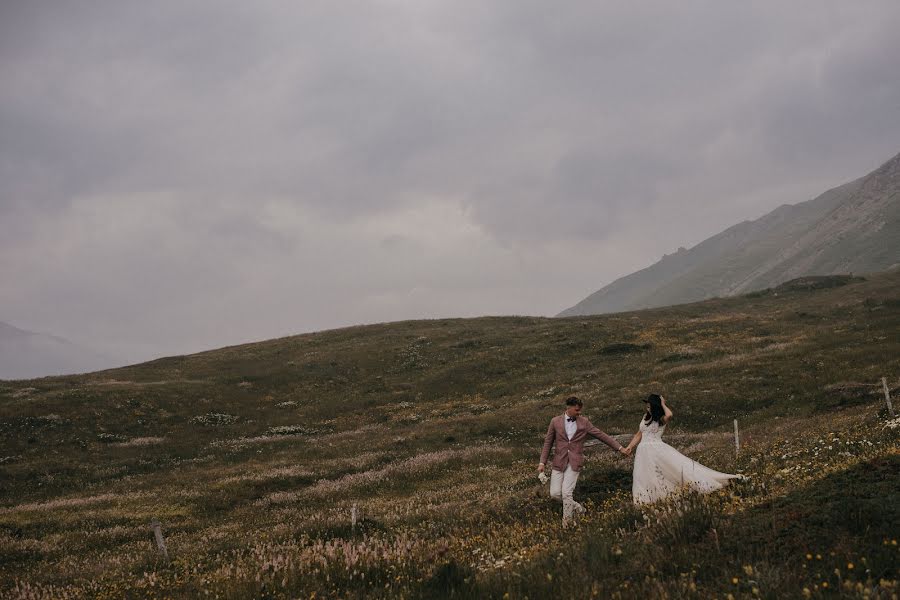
(853, 228)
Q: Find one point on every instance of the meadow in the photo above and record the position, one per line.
(253, 458)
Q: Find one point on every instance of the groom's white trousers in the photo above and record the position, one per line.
(562, 486)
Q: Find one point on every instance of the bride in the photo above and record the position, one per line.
(660, 469)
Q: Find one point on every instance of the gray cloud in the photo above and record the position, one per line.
(180, 175)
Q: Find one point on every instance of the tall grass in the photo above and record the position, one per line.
(253, 456)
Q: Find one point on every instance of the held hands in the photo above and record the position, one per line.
(625, 451)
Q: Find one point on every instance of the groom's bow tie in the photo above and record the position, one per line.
(570, 418)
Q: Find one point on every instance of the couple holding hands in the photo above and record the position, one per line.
(659, 469)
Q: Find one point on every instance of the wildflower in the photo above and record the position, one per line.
(809, 556)
(734, 580)
(825, 584)
(806, 592)
(850, 566)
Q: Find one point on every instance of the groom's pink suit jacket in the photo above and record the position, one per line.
(571, 452)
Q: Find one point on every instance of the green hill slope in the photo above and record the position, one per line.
(252, 457)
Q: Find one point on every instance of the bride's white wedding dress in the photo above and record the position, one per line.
(660, 469)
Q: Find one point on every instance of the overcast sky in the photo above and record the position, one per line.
(178, 176)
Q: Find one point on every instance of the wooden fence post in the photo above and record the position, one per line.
(160, 542)
(353, 515)
(737, 440)
(887, 397)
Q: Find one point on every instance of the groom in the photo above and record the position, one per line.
(569, 431)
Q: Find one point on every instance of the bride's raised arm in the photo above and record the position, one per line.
(668, 416)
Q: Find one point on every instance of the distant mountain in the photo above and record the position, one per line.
(851, 228)
(26, 355)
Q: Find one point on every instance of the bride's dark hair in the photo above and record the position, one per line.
(655, 410)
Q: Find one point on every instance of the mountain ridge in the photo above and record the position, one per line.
(27, 354)
(845, 229)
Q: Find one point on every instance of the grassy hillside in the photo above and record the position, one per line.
(253, 456)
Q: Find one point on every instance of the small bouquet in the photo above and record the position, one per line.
(542, 477)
